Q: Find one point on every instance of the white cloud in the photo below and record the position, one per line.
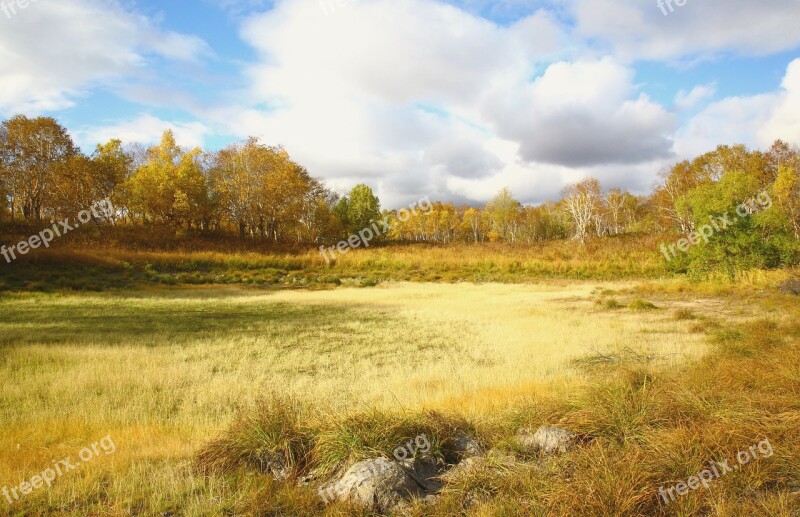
(756, 121)
(687, 100)
(386, 92)
(784, 120)
(700, 28)
(412, 96)
(144, 129)
(51, 52)
(582, 114)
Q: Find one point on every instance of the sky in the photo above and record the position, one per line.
(452, 100)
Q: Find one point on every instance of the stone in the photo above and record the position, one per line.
(276, 466)
(466, 446)
(791, 286)
(547, 440)
(379, 485)
(425, 470)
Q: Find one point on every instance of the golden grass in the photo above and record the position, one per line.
(101, 266)
(163, 371)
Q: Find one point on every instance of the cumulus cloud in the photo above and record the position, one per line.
(784, 120)
(390, 90)
(51, 52)
(756, 120)
(640, 30)
(450, 98)
(583, 114)
(387, 90)
(462, 158)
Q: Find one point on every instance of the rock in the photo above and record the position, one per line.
(546, 440)
(276, 466)
(425, 471)
(379, 485)
(466, 446)
(464, 469)
(493, 460)
(791, 286)
(309, 478)
(471, 474)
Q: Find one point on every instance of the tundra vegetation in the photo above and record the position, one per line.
(238, 372)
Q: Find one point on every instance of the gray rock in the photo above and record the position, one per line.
(547, 440)
(497, 461)
(466, 446)
(379, 485)
(791, 286)
(275, 465)
(464, 469)
(425, 470)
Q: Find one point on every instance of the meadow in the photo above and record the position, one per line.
(187, 360)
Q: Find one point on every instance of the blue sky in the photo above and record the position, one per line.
(453, 100)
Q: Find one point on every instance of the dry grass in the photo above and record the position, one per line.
(102, 266)
(162, 371)
(179, 378)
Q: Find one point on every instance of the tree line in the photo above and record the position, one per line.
(258, 192)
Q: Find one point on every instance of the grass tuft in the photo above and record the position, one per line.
(609, 304)
(272, 438)
(640, 305)
(684, 315)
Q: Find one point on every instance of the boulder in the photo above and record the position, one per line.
(379, 485)
(425, 470)
(547, 440)
(466, 447)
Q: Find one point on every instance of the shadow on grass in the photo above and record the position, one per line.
(172, 317)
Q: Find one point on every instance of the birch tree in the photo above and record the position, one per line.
(582, 201)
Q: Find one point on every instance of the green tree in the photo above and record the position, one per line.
(503, 214)
(735, 216)
(787, 195)
(359, 209)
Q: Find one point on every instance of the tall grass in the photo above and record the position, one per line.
(102, 265)
(645, 429)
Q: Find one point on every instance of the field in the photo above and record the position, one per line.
(163, 370)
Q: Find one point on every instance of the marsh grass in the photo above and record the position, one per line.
(645, 428)
(684, 315)
(110, 264)
(200, 386)
(640, 305)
